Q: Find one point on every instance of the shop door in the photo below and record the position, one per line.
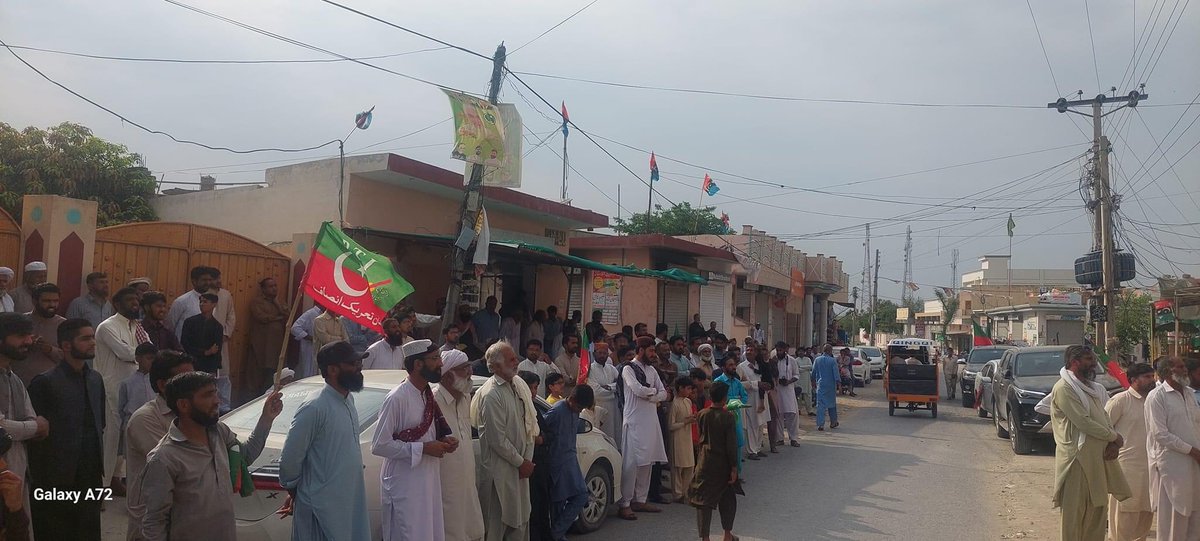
(672, 307)
(712, 305)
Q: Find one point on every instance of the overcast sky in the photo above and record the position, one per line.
(938, 52)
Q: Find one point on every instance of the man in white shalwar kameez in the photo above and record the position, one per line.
(1131, 519)
(1174, 453)
(412, 437)
(460, 497)
(302, 330)
(602, 377)
(748, 372)
(499, 409)
(789, 408)
(642, 443)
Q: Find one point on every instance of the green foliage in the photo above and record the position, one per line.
(68, 160)
(680, 219)
(1133, 320)
(949, 311)
(885, 319)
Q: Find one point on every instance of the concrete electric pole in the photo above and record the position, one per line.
(1104, 202)
(874, 295)
(471, 207)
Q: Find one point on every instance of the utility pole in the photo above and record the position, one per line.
(472, 204)
(905, 292)
(954, 279)
(1104, 202)
(866, 274)
(874, 295)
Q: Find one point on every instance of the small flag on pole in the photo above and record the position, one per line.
(585, 360)
(653, 168)
(710, 186)
(363, 119)
(725, 220)
(979, 337)
(566, 118)
(1011, 225)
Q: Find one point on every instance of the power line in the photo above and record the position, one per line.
(1095, 64)
(150, 130)
(299, 43)
(1041, 42)
(216, 61)
(551, 29)
(769, 97)
(410, 31)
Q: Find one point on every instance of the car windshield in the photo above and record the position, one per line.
(874, 353)
(1042, 363)
(368, 403)
(980, 357)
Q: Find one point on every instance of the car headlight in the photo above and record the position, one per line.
(1030, 394)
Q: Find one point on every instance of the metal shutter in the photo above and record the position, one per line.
(673, 307)
(712, 305)
(575, 283)
(776, 331)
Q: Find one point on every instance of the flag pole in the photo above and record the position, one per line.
(287, 332)
(649, 203)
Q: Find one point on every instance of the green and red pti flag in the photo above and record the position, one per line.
(585, 357)
(350, 281)
(980, 337)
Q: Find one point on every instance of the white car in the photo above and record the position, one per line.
(874, 357)
(860, 367)
(256, 519)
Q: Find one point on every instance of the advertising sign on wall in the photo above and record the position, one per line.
(606, 296)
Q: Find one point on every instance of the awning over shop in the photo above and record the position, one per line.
(536, 253)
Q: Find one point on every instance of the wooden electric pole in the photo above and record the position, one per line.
(1104, 203)
(472, 204)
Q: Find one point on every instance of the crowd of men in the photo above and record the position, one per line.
(1130, 462)
(126, 393)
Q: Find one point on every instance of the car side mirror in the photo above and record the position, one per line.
(583, 427)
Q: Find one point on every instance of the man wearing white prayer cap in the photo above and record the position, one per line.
(6, 281)
(460, 497)
(35, 275)
(413, 436)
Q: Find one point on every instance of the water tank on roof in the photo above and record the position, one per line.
(1089, 269)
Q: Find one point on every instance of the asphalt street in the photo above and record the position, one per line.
(906, 477)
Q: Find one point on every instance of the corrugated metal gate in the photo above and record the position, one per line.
(712, 304)
(166, 252)
(673, 307)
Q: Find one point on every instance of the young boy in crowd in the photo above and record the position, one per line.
(681, 420)
(555, 383)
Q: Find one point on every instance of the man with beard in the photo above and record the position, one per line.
(729, 376)
(268, 316)
(35, 275)
(387, 353)
(1174, 451)
(71, 396)
(567, 362)
(186, 484)
(507, 429)
(45, 353)
(1085, 470)
(460, 497)
(154, 317)
(188, 304)
(537, 362)
(1131, 519)
(642, 441)
(117, 339)
(602, 377)
(789, 410)
(705, 360)
(679, 355)
(6, 280)
(17, 415)
(146, 428)
(321, 462)
(412, 436)
(93, 306)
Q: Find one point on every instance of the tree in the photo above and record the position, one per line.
(1133, 320)
(949, 311)
(68, 160)
(680, 219)
(885, 319)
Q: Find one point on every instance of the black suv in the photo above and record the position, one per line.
(1023, 377)
(978, 357)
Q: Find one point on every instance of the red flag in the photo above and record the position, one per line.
(980, 338)
(585, 361)
(566, 117)
(350, 281)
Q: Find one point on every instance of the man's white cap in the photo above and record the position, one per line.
(452, 359)
(704, 346)
(416, 347)
(139, 280)
(5, 271)
(35, 266)
(286, 373)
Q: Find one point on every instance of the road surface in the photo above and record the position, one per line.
(880, 477)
